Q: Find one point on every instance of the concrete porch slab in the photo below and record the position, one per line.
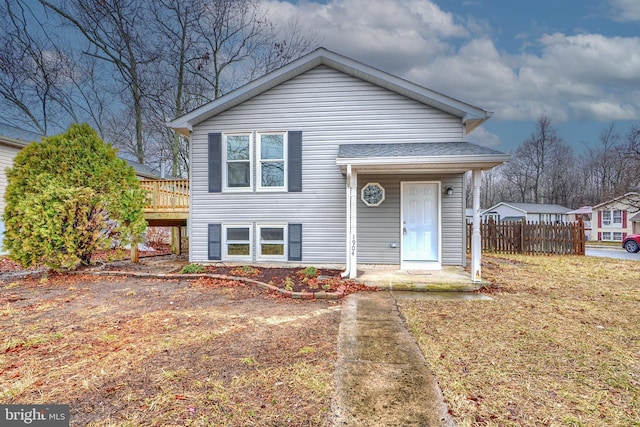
(448, 279)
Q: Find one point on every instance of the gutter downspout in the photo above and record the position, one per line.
(347, 270)
(476, 246)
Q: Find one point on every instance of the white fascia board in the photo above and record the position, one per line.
(12, 142)
(406, 88)
(503, 204)
(422, 160)
(629, 194)
(468, 113)
(246, 92)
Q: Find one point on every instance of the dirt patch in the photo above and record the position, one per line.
(166, 352)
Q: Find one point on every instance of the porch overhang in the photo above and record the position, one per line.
(406, 158)
(428, 157)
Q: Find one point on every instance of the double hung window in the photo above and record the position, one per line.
(271, 241)
(272, 152)
(237, 242)
(271, 165)
(612, 218)
(238, 160)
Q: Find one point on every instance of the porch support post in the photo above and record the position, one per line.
(353, 222)
(135, 255)
(176, 240)
(476, 244)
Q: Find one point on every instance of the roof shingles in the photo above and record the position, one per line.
(426, 149)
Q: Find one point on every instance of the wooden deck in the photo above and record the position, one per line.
(168, 202)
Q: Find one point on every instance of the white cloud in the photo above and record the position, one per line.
(383, 33)
(626, 10)
(583, 76)
(482, 136)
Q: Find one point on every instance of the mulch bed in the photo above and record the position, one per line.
(294, 279)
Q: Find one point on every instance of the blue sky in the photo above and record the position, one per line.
(576, 61)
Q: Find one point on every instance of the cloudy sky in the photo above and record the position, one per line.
(576, 61)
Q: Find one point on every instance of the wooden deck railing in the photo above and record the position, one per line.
(167, 195)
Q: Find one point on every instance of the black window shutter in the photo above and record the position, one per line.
(215, 242)
(295, 161)
(295, 242)
(215, 162)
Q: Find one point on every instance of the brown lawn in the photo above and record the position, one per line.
(131, 352)
(559, 345)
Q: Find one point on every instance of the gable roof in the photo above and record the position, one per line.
(581, 210)
(471, 116)
(16, 137)
(630, 194)
(533, 208)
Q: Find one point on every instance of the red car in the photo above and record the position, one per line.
(632, 243)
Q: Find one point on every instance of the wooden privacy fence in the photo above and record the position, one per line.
(530, 238)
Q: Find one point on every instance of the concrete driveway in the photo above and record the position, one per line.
(611, 252)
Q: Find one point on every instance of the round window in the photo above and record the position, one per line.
(372, 194)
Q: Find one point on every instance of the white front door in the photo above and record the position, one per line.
(420, 225)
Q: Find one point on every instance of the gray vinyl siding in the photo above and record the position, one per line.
(379, 227)
(7, 155)
(330, 108)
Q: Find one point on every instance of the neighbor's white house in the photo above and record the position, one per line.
(530, 212)
(329, 161)
(614, 219)
(12, 140)
(584, 214)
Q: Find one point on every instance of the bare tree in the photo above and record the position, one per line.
(33, 71)
(211, 48)
(117, 33)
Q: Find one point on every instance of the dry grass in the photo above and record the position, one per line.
(124, 352)
(559, 345)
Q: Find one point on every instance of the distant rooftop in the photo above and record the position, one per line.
(142, 170)
(16, 135)
(540, 208)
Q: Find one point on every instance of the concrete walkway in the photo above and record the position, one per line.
(381, 376)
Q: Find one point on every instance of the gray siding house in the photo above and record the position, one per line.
(328, 161)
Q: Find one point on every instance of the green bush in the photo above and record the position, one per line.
(309, 272)
(68, 197)
(192, 269)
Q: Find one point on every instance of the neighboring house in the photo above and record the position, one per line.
(614, 219)
(583, 214)
(328, 161)
(12, 140)
(530, 212)
(143, 172)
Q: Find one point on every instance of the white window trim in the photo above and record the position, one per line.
(225, 242)
(225, 187)
(611, 222)
(258, 163)
(285, 242)
(613, 219)
(606, 236)
(616, 238)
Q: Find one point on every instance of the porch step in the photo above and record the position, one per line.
(449, 279)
